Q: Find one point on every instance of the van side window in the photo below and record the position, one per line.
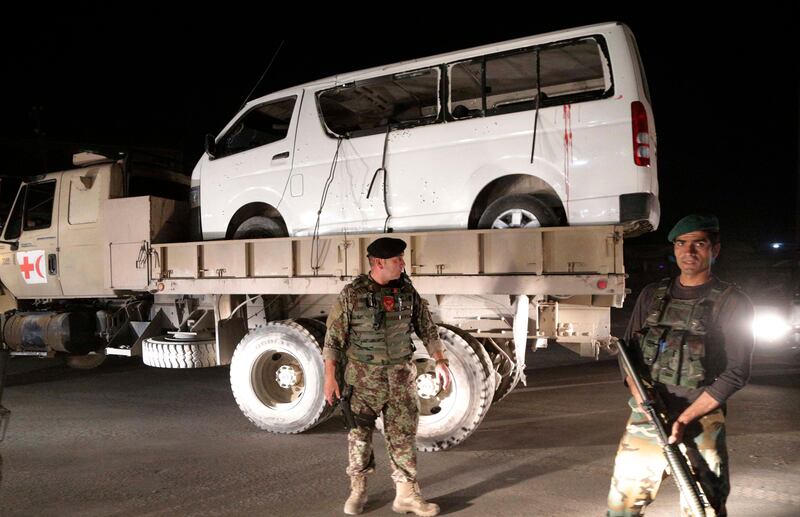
(570, 72)
(14, 228)
(370, 105)
(261, 125)
(39, 205)
(466, 89)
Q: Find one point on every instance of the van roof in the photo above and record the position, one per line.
(444, 58)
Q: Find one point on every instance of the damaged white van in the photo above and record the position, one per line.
(549, 130)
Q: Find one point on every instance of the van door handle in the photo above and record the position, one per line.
(281, 156)
(51, 264)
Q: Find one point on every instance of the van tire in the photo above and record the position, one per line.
(260, 227)
(517, 211)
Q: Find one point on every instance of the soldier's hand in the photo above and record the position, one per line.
(443, 374)
(677, 432)
(332, 393)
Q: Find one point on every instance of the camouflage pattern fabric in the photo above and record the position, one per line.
(640, 465)
(389, 390)
(340, 319)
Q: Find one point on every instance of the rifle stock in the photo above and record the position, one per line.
(681, 471)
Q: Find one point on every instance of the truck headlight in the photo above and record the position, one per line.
(770, 326)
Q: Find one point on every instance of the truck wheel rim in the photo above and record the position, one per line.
(277, 379)
(432, 399)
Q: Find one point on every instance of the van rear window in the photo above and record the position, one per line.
(366, 106)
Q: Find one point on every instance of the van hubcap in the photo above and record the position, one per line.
(516, 218)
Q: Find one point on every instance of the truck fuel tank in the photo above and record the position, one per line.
(71, 332)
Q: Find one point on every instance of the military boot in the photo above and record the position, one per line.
(409, 499)
(358, 495)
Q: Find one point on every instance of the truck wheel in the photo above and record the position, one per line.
(260, 227)
(86, 362)
(517, 211)
(277, 377)
(318, 329)
(448, 417)
(179, 352)
(504, 362)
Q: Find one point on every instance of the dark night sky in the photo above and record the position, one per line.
(724, 86)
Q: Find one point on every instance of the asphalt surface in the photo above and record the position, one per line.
(126, 439)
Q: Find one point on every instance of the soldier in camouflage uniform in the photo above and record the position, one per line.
(694, 345)
(369, 334)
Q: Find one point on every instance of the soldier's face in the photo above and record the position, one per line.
(694, 252)
(393, 267)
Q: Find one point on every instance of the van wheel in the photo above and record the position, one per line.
(277, 376)
(260, 227)
(517, 211)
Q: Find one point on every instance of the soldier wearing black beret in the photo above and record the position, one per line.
(369, 338)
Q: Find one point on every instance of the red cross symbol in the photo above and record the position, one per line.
(26, 268)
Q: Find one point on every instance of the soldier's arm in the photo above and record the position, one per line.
(426, 329)
(338, 328)
(638, 317)
(736, 315)
(333, 351)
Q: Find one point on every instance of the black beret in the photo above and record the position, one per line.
(386, 247)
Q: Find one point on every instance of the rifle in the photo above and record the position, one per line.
(681, 471)
(344, 403)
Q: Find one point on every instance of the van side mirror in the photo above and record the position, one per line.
(211, 146)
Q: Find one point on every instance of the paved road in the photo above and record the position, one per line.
(131, 440)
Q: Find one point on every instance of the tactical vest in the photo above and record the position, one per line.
(673, 340)
(381, 322)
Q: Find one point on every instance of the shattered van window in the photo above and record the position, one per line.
(466, 88)
(407, 98)
(261, 125)
(570, 72)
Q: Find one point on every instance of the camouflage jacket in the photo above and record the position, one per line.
(340, 319)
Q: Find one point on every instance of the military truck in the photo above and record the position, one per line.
(89, 270)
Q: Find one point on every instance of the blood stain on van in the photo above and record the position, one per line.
(567, 145)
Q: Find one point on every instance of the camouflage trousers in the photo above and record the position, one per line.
(640, 465)
(390, 390)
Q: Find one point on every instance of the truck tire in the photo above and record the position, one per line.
(448, 418)
(510, 373)
(167, 352)
(277, 376)
(260, 227)
(517, 211)
(318, 329)
(85, 362)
